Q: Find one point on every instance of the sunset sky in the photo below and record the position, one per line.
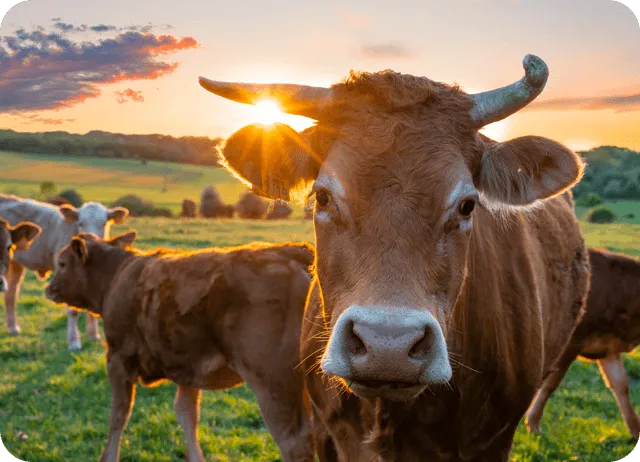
(133, 67)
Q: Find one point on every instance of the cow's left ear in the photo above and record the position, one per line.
(523, 170)
(124, 240)
(118, 215)
(69, 212)
(23, 234)
(79, 247)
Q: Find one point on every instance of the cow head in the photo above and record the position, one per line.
(92, 218)
(399, 171)
(18, 237)
(77, 262)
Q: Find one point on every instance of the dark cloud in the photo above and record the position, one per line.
(42, 70)
(34, 118)
(129, 95)
(64, 27)
(390, 50)
(102, 28)
(619, 103)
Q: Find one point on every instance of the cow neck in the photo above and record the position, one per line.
(103, 266)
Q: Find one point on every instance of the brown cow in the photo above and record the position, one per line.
(209, 319)
(18, 237)
(450, 269)
(609, 327)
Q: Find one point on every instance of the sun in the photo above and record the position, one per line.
(267, 112)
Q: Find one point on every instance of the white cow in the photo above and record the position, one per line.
(59, 224)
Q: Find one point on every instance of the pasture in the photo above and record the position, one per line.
(54, 405)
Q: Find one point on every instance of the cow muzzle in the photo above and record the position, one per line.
(3, 284)
(393, 353)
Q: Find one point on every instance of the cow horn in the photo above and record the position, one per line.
(295, 99)
(494, 105)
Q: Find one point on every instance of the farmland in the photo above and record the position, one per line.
(54, 405)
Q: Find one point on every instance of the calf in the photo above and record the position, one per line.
(18, 237)
(59, 224)
(610, 326)
(208, 319)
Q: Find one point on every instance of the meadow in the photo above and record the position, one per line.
(54, 405)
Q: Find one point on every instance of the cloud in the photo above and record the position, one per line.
(619, 103)
(34, 118)
(389, 50)
(45, 70)
(102, 28)
(129, 95)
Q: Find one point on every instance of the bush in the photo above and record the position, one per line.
(279, 210)
(73, 197)
(589, 200)
(189, 209)
(601, 215)
(252, 207)
(137, 206)
(47, 188)
(160, 212)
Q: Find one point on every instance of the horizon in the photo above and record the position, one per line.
(79, 70)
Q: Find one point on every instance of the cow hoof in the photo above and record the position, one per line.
(75, 345)
(533, 427)
(94, 338)
(15, 330)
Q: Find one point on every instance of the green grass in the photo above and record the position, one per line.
(60, 400)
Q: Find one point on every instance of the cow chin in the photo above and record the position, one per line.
(3, 284)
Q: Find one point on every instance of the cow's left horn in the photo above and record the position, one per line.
(295, 99)
(494, 105)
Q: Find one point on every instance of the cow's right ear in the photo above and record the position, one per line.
(124, 240)
(23, 234)
(275, 160)
(79, 247)
(69, 213)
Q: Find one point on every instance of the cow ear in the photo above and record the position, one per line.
(118, 215)
(79, 247)
(69, 212)
(523, 170)
(124, 240)
(274, 160)
(23, 234)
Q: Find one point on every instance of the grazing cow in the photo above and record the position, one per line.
(450, 268)
(610, 326)
(59, 225)
(208, 319)
(18, 237)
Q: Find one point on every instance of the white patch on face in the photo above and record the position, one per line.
(328, 179)
(93, 218)
(461, 189)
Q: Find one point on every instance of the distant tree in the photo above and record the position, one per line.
(73, 197)
(589, 200)
(47, 188)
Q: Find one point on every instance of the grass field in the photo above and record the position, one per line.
(54, 405)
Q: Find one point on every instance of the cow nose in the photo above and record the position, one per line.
(387, 345)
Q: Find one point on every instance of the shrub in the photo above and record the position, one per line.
(160, 212)
(279, 210)
(73, 197)
(189, 209)
(601, 215)
(252, 207)
(47, 188)
(137, 206)
(589, 200)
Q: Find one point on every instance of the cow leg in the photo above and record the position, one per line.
(615, 377)
(549, 385)
(14, 279)
(93, 333)
(187, 407)
(123, 393)
(286, 416)
(73, 334)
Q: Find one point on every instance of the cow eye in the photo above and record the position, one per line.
(322, 198)
(61, 264)
(466, 207)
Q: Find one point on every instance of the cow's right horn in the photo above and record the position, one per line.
(494, 105)
(295, 99)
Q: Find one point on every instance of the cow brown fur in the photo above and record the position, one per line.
(609, 327)
(390, 161)
(18, 237)
(209, 319)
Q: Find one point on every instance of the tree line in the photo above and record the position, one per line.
(198, 150)
(612, 173)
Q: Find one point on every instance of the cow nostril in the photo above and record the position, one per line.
(422, 347)
(354, 342)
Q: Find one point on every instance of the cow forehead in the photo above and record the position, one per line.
(93, 212)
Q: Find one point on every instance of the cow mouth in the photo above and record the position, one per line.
(391, 390)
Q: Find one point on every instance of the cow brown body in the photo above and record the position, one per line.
(13, 238)
(450, 270)
(210, 319)
(609, 327)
